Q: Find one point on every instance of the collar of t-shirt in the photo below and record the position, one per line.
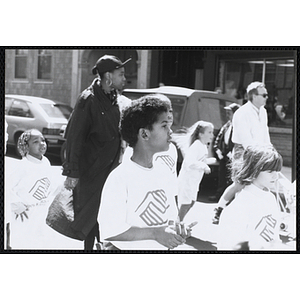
(34, 159)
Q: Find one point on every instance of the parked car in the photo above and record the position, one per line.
(190, 106)
(26, 112)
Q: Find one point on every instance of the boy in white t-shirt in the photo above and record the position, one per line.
(138, 200)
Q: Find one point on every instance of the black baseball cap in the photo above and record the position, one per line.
(108, 63)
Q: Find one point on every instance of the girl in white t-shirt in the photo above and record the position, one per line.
(195, 164)
(31, 190)
(252, 220)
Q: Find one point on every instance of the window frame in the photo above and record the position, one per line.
(36, 66)
(27, 64)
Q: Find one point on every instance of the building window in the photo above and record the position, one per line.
(44, 64)
(21, 57)
(278, 76)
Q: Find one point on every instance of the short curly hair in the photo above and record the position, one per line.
(255, 159)
(142, 113)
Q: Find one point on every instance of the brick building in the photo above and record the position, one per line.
(60, 75)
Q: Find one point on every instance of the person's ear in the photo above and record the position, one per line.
(144, 133)
(107, 75)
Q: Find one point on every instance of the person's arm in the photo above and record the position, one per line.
(77, 132)
(216, 144)
(241, 130)
(163, 235)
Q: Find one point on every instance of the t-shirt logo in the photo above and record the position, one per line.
(40, 190)
(153, 208)
(167, 160)
(265, 228)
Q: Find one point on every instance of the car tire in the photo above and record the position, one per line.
(63, 154)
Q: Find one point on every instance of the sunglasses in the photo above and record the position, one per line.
(264, 95)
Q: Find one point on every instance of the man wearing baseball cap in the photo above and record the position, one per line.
(250, 127)
(93, 145)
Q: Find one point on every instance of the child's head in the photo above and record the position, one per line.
(204, 131)
(142, 114)
(254, 161)
(32, 142)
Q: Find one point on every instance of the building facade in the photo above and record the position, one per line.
(61, 74)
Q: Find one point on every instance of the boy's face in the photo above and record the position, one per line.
(160, 135)
(37, 145)
(266, 179)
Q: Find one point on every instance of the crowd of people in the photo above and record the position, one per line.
(121, 169)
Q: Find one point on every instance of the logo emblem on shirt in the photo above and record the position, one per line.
(40, 190)
(266, 228)
(153, 207)
(167, 160)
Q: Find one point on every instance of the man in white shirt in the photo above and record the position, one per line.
(250, 127)
(250, 122)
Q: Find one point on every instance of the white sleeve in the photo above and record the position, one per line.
(113, 210)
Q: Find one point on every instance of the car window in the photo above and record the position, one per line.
(52, 111)
(66, 110)
(8, 102)
(178, 106)
(20, 108)
(212, 110)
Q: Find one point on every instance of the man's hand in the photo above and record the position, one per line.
(167, 237)
(70, 183)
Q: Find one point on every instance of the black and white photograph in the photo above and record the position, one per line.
(168, 149)
(169, 83)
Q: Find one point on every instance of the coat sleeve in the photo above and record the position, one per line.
(76, 133)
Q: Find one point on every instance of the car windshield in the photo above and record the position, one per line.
(52, 111)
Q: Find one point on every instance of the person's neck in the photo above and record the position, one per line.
(107, 89)
(257, 107)
(142, 158)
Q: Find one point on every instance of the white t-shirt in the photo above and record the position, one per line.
(191, 173)
(253, 216)
(34, 184)
(166, 159)
(250, 126)
(136, 196)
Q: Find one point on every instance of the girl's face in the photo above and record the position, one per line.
(37, 145)
(207, 136)
(266, 179)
